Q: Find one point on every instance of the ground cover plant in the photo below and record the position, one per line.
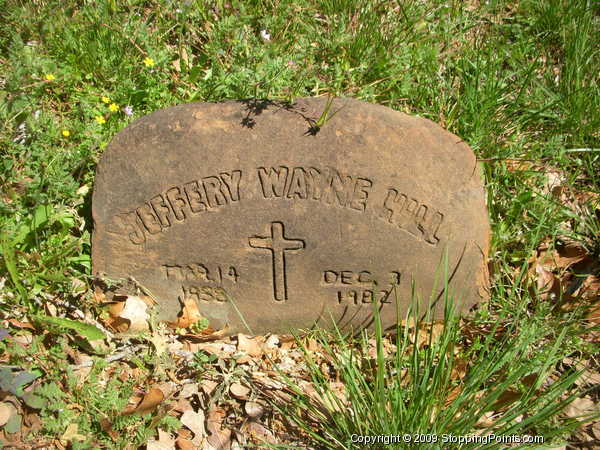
(517, 80)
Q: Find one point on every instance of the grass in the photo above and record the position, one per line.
(423, 386)
(518, 81)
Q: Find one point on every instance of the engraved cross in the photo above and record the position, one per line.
(278, 244)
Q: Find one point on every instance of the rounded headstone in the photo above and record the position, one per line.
(270, 222)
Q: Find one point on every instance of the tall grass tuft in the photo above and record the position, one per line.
(433, 387)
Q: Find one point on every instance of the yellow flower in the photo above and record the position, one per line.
(113, 107)
(66, 133)
(149, 62)
(100, 119)
(105, 99)
(50, 77)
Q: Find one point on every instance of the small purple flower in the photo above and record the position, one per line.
(291, 63)
(128, 110)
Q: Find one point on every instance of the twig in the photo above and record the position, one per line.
(142, 51)
(513, 159)
(144, 289)
(582, 150)
(112, 358)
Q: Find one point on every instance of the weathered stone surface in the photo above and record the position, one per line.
(248, 209)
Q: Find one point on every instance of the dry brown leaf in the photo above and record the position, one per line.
(72, 434)
(529, 380)
(18, 324)
(459, 369)
(99, 296)
(184, 433)
(106, 426)
(182, 405)
(164, 442)
(239, 391)
(594, 315)
(581, 407)
(252, 346)
(254, 410)
(555, 181)
(208, 386)
(517, 165)
(312, 345)
(185, 444)
(190, 314)
(129, 315)
(150, 401)
(7, 410)
(135, 310)
(219, 437)
(568, 254)
(51, 309)
(188, 390)
(453, 394)
(272, 342)
(596, 429)
(546, 281)
(259, 432)
(506, 399)
(591, 377)
(195, 422)
(486, 421)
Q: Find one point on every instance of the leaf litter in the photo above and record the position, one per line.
(222, 388)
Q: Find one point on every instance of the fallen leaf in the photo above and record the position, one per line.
(459, 369)
(7, 410)
(18, 324)
(13, 425)
(596, 429)
(150, 401)
(208, 386)
(219, 437)
(254, 410)
(568, 253)
(312, 345)
(195, 422)
(72, 434)
(182, 405)
(239, 391)
(188, 390)
(252, 346)
(185, 444)
(99, 296)
(581, 407)
(106, 426)
(134, 310)
(259, 432)
(505, 399)
(555, 180)
(594, 315)
(453, 394)
(272, 342)
(486, 420)
(160, 342)
(164, 442)
(190, 314)
(546, 281)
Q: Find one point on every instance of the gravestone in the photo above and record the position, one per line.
(266, 220)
